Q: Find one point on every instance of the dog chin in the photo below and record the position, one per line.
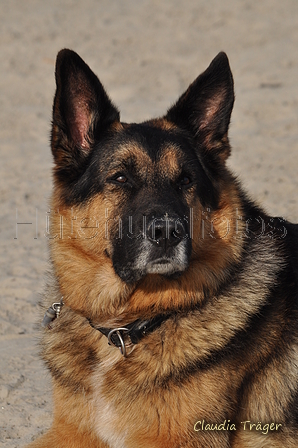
(164, 267)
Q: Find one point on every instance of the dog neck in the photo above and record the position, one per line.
(121, 337)
(132, 333)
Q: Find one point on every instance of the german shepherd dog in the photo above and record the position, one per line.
(172, 307)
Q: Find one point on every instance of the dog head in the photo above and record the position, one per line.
(138, 191)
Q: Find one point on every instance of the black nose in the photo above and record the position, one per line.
(166, 232)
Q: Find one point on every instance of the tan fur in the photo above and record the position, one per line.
(224, 355)
(118, 403)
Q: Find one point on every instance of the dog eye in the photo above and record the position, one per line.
(185, 180)
(121, 179)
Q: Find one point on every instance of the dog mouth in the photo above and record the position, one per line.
(166, 254)
(167, 268)
(170, 266)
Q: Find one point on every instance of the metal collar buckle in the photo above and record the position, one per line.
(112, 340)
(52, 313)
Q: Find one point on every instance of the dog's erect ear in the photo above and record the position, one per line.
(82, 111)
(205, 108)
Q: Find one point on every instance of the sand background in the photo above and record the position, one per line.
(145, 52)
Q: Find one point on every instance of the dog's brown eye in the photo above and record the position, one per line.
(185, 180)
(121, 179)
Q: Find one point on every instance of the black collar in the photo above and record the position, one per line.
(132, 333)
(121, 337)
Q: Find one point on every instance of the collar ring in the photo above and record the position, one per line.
(122, 346)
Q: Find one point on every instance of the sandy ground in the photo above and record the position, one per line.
(146, 52)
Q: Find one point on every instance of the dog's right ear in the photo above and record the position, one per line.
(82, 112)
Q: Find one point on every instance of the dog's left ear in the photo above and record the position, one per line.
(205, 108)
